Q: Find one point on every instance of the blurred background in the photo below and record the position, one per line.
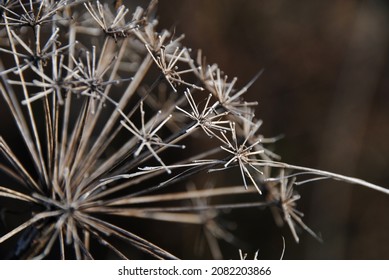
(326, 89)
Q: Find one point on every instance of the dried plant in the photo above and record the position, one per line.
(107, 108)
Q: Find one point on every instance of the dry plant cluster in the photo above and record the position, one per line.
(116, 118)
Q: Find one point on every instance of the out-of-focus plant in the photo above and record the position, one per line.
(117, 118)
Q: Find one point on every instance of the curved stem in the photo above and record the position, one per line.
(327, 174)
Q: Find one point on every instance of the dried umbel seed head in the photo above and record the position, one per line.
(117, 121)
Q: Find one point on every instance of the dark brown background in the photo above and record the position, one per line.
(326, 88)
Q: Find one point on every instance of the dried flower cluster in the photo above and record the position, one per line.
(110, 111)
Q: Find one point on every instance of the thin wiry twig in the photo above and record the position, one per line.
(91, 156)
